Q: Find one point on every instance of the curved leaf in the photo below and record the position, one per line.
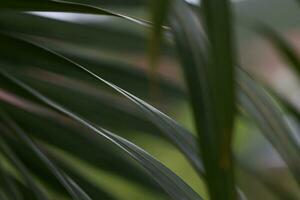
(282, 46)
(266, 114)
(61, 6)
(37, 168)
(75, 192)
(9, 185)
(171, 183)
(169, 128)
(54, 125)
(38, 193)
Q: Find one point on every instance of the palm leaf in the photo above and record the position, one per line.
(172, 184)
(168, 127)
(38, 193)
(260, 106)
(213, 109)
(61, 6)
(37, 168)
(9, 185)
(159, 12)
(282, 46)
(82, 98)
(75, 192)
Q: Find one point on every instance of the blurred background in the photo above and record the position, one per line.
(117, 50)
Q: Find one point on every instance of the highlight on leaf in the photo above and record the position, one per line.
(77, 114)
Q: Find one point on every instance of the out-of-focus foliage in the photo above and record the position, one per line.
(80, 118)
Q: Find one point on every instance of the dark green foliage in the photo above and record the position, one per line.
(77, 88)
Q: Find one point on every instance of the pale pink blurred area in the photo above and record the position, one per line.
(270, 67)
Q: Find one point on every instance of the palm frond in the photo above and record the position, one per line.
(68, 85)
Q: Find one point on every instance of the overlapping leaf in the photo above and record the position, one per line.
(172, 184)
(209, 74)
(75, 192)
(168, 127)
(38, 193)
(61, 6)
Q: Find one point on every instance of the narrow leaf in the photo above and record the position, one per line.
(73, 191)
(38, 169)
(62, 6)
(171, 183)
(169, 128)
(259, 105)
(282, 46)
(271, 185)
(24, 190)
(159, 13)
(39, 194)
(54, 125)
(9, 185)
(209, 74)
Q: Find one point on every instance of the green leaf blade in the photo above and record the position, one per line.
(172, 184)
(208, 67)
(63, 6)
